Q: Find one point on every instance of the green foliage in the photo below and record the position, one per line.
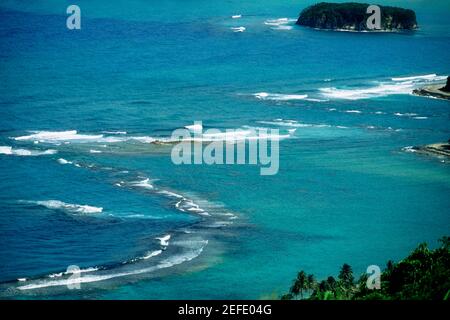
(423, 275)
(303, 283)
(346, 276)
(287, 296)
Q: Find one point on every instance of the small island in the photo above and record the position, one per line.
(435, 91)
(352, 16)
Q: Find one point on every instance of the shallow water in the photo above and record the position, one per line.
(105, 199)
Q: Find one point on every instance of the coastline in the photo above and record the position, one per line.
(389, 31)
(434, 149)
(433, 91)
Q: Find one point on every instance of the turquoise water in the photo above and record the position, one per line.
(100, 197)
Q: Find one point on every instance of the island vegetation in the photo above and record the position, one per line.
(352, 16)
(423, 275)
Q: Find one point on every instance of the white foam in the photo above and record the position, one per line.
(164, 241)
(284, 123)
(53, 136)
(152, 254)
(427, 77)
(279, 96)
(398, 114)
(25, 152)
(237, 135)
(278, 22)
(353, 111)
(195, 127)
(409, 149)
(144, 184)
(238, 29)
(167, 263)
(66, 136)
(90, 269)
(282, 27)
(403, 85)
(95, 151)
(73, 271)
(296, 124)
(115, 132)
(64, 161)
(73, 137)
(5, 150)
(144, 139)
(187, 205)
(380, 90)
(171, 194)
(56, 275)
(236, 16)
(317, 100)
(68, 207)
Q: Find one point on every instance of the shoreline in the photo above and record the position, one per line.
(388, 31)
(434, 149)
(432, 91)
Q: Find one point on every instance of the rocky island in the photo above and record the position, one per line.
(435, 91)
(352, 16)
(436, 149)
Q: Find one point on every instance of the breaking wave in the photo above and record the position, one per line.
(102, 275)
(67, 207)
(279, 97)
(238, 29)
(296, 124)
(280, 23)
(396, 86)
(25, 152)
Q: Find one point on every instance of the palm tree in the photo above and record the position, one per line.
(346, 276)
(300, 284)
(324, 286)
(390, 266)
(295, 289)
(311, 282)
(331, 284)
(445, 241)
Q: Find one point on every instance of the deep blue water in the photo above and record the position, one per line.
(346, 190)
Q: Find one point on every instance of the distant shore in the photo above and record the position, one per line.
(434, 91)
(435, 149)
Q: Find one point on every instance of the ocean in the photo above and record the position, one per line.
(84, 184)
